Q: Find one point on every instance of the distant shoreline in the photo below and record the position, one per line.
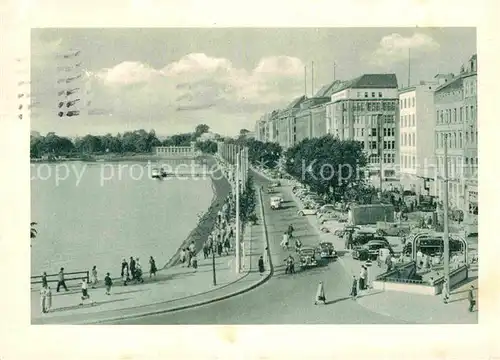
(199, 234)
(112, 158)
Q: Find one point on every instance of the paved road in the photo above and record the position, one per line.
(284, 299)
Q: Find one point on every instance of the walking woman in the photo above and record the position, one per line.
(354, 288)
(152, 267)
(93, 277)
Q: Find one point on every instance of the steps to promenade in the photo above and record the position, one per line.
(410, 308)
(173, 289)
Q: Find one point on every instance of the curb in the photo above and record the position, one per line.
(203, 302)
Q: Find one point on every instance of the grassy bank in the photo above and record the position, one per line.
(199, 235)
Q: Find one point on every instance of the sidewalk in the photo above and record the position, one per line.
(173, 289)
(412, 308)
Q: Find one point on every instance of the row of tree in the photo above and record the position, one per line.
(138, 141)
(329, 166)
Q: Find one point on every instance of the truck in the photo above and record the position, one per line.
(371, 214)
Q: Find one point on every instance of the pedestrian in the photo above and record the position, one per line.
(125, 276)
(261, 265)
(48, 302)
(188, 257)
(85, 292)
(320, 294)
(132, 267)
(472, 301)
(43, 299)
(93, 277)
(284, 242)
(152, 267)
(61, 281)
(194, 262)
(192, 248)
(445, 294)
(227, 246)
(354, 288)
(205, 250)
(219, 248)
(138, 271)
(182, 257)
(290, 230)
(124, 265)
(362, 278)
(108, 283)
(44, 279)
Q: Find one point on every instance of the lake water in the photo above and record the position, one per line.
(84, 220)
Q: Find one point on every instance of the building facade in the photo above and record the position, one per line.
(287, 125)
(416, 139)
(365, 109)
(456, 123)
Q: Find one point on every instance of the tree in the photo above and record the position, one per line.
(200, 130)
(328, 165)
(207, 146)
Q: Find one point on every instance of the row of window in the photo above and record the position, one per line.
(470, 88)
(407, 103)
(359, 132)
(458, 166)
(408, 161)
(407, 120)
(373, 106)
(388, 159)
(467, 113)
(367, 94)
(408, 139)
(371, 119)
(455, 139)
(373, 145)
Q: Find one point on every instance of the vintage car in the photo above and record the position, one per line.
(307, 210)
(392, 229)
(371, 250)
(345, 229)
(276, 202)
(326, 250)
(307, 257)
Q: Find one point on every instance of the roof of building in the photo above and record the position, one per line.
(328, 89)
(454, 84)
(295, 103)
(372, 81)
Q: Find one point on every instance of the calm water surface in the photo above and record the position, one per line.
(89, 223)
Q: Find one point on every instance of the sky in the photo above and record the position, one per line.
(172, 79)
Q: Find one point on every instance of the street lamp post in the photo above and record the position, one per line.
(213, 262)
(446, 235)
(237, 190)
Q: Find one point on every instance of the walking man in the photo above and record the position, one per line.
(472, 301)
(108, 283)
(132, 267)
(85, 292)
(261, 265)
(61, 281)
(354, 288)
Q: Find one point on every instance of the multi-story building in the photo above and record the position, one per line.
(416, 137)
(287, 128)
(365, 109)
(262, 128)
(304, 121)
(456, 122)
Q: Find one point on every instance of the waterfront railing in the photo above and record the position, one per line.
(68, 277)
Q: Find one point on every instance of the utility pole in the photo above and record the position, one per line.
(305, 81)
(312, 79)
(446, 235)
(213, 262)
(238, 176)
(334, 68)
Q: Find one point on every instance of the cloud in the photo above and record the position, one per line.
(394, 48)
(197, 81)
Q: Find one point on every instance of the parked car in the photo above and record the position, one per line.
(327, 216)
(307, 257)
(306, 210)
(326, 250)
(393, 229)
(371, 250)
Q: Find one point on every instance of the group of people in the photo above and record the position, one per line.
(288, 236)
(188, 255)
(132, 271)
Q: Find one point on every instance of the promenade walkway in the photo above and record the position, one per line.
(411, 308)
(173, 289)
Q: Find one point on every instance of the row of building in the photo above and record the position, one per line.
(402, 129)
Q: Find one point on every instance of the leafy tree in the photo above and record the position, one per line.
(328, 165)
(200, 130)
(207, 147)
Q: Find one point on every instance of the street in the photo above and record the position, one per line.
(284, 299)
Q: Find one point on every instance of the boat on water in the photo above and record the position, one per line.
(158, 173)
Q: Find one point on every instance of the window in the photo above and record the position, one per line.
(362, 132)
(373, 94)
(385, 132)
(413, 162)
(441, 117)
(404, 103)
(413, 139)
(454, 139)
(366, 94)
(467, 113)
(374, 131)
(412, 102)
(373, 145)
(405, 143)
(472, 113)
(379, 94)
(413, 119)
(359, 94)
(460, 145)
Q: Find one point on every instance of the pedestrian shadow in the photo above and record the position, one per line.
(337, 300)
(127, 292)
(370, 293)
(74, 307)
